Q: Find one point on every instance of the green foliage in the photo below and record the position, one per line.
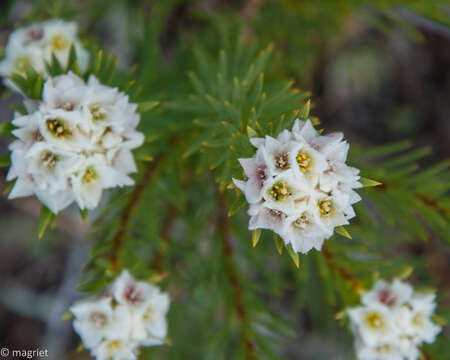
(200, 102)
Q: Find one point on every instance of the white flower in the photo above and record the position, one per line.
(392, 322)
(116, 349)
(131, 315)
(374, 323)
(35, 44)
(416, 318)
(286, 193)
(299, 186)
(152, 327)
(96, 320)
(304, 232)
(390, 295)
(91, 177)
(74, 143)
(262, 217)
(257, 172)
(128, 291)
(386, 351)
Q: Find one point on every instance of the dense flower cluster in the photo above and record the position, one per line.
(35, 44)
(74, 143)
(299, 186)
(132, 314)
(393, 322)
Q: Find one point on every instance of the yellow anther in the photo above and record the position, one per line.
(326, 208)
(280, 191)
(59, 42)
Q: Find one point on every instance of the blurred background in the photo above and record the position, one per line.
(379, 71)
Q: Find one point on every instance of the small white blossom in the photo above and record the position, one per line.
(97, 319)
(35, 44)
(392, 322)
(132, 314)
(74, 143)
(374, 323)
(116, 349)
(262, 217)
(299, 186)
(391, 295)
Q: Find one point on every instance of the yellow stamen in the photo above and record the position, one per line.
(280, 191)
(374, 320)
(59, 42)
(304, 161)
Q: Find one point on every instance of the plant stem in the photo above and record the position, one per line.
(125, 218)
(223, 224)
(345, 275)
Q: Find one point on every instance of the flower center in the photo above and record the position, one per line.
(326, 208)
(276, 214)
(36, 136)
(132, 294)
(282, 161)
(58, 128)
(280, 190)
(383, 349)
(59, 42)
(68, 106)
(304, 161)
(386, 297)
(98, 319)
(48, 159)
(21, 63)
(374, 320)
(418, 319)
(36, 34)
(114, 346)
(98, 113)
(302, 222)
(90, 175)
(261, 173)
(148, 314)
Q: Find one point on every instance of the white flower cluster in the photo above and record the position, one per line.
(132, 314)
(299, 186)
(393, 322)
(35, 44)
(74, 143)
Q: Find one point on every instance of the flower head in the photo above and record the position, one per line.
(116, 325)
(37, 43)
(392, 322)
(62, 154)
(299, 186)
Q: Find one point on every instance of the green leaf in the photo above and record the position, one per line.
(304, 111)
(54, 68)
(366, 182)
(84, 215)
(256, 234)
(251, 133)
(439, 320)
(237, 205)
(6, 128)
(20, 108)
(67, 316)
(342, 231)
(44, 221)
(405, 272)
(147, 106)
(72, 63)
(9, 187)
(294, 256)
(4, 160)
(278, 243)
